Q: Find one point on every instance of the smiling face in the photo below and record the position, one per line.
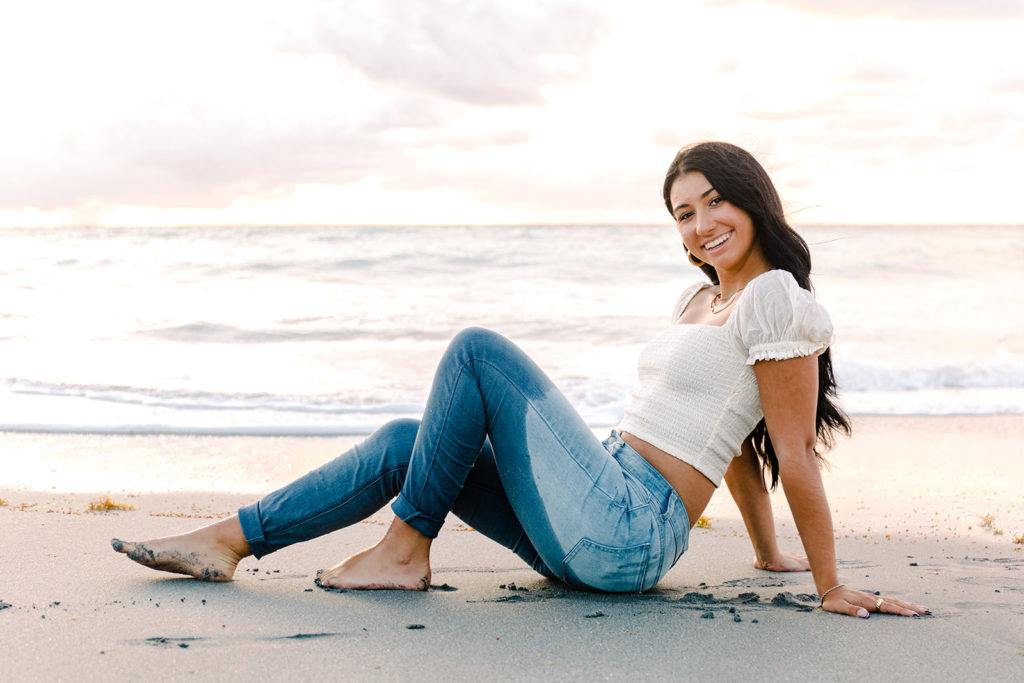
(717, 232)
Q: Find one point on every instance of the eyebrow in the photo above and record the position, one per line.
(705, 194)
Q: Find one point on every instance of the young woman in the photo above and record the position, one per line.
(739, 385)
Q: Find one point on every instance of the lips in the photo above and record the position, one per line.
(717, 242)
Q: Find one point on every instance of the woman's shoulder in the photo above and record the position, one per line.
(685, 298)
(777, 318)
(776, 289)
(776, 281)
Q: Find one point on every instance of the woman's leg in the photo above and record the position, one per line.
(569, 494)
(354, 486)
(343, 491)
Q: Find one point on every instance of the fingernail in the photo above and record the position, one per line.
(863, 613)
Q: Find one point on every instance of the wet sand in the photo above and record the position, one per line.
(925, 508)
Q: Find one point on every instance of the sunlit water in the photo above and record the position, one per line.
(305, 331)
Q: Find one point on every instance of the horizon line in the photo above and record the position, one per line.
(582, 224)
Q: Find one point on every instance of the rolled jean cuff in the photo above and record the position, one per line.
(428, 526)
(252, 529)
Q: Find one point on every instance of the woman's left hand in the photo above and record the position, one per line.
(860, 604)
(783, 562)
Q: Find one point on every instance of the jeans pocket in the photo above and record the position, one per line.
(606, 568)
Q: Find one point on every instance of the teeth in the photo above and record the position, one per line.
(720, 240)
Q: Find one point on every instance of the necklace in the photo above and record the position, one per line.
(715, 310)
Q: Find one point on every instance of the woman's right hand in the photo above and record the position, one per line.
(860, 604)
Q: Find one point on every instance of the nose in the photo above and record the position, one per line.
(705, 224)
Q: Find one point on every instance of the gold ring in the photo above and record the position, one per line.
(878, 604)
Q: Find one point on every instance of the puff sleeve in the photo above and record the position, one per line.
(777, 319)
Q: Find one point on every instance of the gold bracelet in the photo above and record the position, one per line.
(825, 594)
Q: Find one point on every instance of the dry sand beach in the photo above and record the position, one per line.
(927, 508)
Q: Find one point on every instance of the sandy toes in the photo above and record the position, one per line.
(179, 556)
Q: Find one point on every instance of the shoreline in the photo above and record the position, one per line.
(85, 461)
(909, 496)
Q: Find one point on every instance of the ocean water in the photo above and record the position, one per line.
(302, 331)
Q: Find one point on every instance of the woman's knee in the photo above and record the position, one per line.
(470, 336)
(474, 342)
(395, 439)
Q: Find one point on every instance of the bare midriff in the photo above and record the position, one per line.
(694, 488)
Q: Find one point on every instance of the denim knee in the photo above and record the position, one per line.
(397, 437)
(472, 339)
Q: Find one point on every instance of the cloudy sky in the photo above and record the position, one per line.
(504, 111)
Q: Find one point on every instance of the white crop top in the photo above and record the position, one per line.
(698, 397)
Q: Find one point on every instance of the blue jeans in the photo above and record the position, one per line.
(504, 450)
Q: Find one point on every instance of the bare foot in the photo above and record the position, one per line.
(400, 561)
(210, 554)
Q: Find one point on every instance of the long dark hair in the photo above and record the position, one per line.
(739, 179)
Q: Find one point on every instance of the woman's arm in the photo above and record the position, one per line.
(747, 488)
(788, 390)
